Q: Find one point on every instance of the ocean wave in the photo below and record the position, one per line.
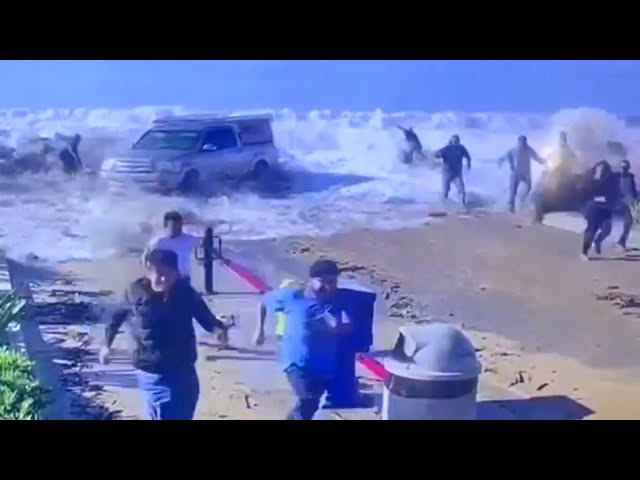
(347, 164)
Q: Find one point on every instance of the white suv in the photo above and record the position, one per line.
(181, 153)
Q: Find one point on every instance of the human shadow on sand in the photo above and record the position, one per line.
(626, 258)
(239, 353)
(555, 407)
(536, 408)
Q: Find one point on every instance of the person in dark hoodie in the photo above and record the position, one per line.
(452, 157)
(627, 200)
(159, 311)
(603, 191)
(414, 146)
(69, 156)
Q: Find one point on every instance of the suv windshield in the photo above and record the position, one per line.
(168, 140)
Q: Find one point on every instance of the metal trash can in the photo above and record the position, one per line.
(432, 374)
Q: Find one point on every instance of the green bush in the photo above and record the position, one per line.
(21, 397)
(11, 312)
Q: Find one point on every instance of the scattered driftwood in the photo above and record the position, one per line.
(81, 293)
(63, 313)
(619, 299)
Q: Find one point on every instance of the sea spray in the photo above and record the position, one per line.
(342, 173)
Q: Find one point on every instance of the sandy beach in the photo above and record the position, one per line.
(544, 323)
(546, 326)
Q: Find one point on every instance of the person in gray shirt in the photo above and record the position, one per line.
(519, 159)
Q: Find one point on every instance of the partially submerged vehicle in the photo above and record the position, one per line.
(181, 153)
(564, 190)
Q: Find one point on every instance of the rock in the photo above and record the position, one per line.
(402, 303)
(507, 354)
(422, 321)
(518, 380)
(437, 214)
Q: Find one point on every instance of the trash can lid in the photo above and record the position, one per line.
(433, 352)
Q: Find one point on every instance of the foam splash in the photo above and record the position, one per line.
(346, 175)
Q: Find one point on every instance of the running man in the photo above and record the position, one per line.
(315, 325)
(452, 158)
(414, 151)
(175, 240)
(627, 201)
(604, 191)
(519, 159)
(159, 311)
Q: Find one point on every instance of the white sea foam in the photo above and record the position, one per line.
(346, 164)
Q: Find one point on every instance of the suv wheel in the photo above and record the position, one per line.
(189, 183)
(260, 170)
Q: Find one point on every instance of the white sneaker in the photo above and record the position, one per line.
(584, 258)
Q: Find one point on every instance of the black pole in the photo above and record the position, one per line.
(208, 254)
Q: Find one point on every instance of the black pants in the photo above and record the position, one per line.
(514, 183)
(624, 208)
(308, 389)
(598, 216)
(453, 176)
(342, 390)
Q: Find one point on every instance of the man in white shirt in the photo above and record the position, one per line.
(177, 241)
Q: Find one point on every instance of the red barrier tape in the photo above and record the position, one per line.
(370, 364)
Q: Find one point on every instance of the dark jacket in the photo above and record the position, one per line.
(604, 190)
(452, 157)
(628, 189)
(161, 326)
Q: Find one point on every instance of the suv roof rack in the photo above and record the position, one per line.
(210, 118)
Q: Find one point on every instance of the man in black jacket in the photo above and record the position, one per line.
(159, 312)
(452, 157)
(414, 147)
(628, 198)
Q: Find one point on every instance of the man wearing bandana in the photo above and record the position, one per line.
(315, 327)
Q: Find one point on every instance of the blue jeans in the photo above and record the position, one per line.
(342, 390)
(308, 389)
(170, 396)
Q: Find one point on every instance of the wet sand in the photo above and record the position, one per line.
(537, 314)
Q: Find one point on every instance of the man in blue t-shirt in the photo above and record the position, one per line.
(315, 324)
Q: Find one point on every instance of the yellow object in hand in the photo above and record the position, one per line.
(281, 317)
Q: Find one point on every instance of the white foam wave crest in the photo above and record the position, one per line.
(347, 174)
